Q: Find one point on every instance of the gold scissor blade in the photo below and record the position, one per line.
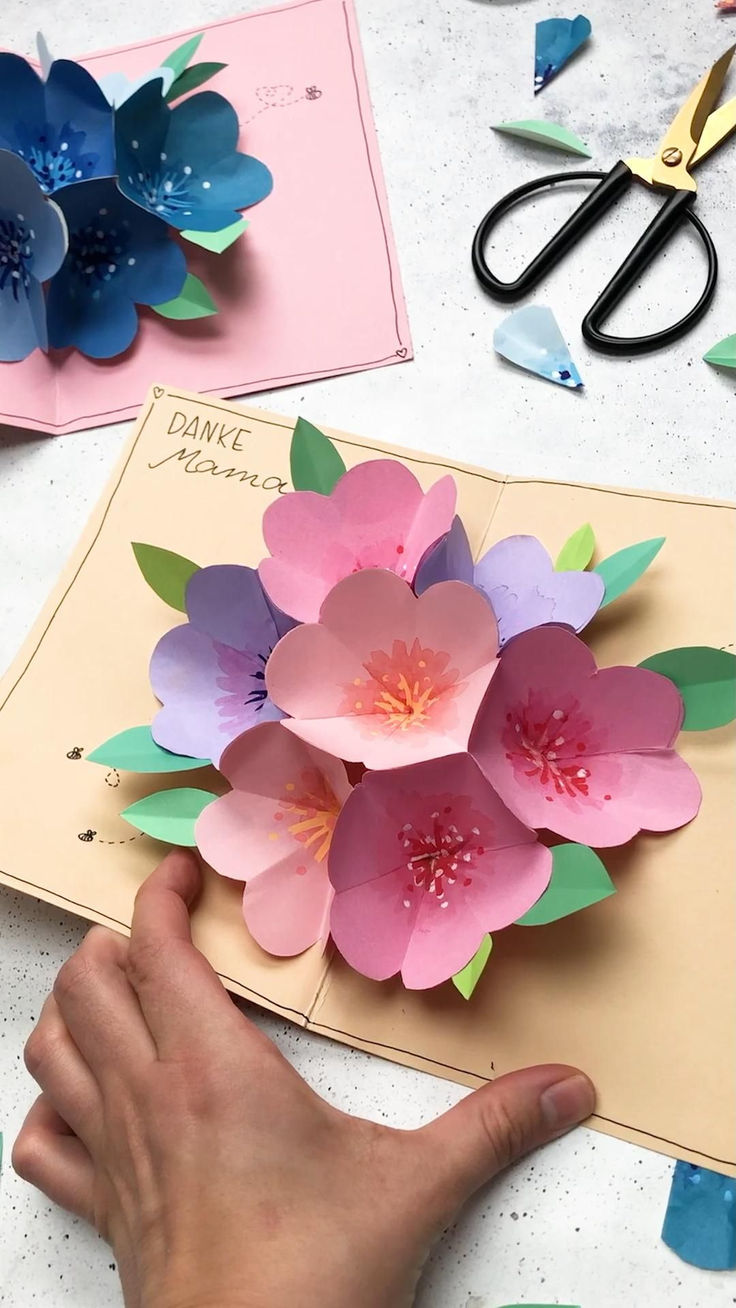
(720, 124)
(675, 154)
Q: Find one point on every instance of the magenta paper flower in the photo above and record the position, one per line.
(586, 754)
(425, 860)
(386, 678)
(377, 516)
(209, 673)
(273, 831)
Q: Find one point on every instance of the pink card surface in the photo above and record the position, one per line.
(312, 289)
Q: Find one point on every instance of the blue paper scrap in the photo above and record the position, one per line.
(700, 1222)
(531, 338)
(557, 40)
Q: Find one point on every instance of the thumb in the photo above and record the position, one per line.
(501, 1122)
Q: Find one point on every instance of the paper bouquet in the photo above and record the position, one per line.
(420, 750)
(101, 187)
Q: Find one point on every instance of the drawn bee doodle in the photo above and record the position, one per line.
(87, 835)
(312, 93)
(76, 752)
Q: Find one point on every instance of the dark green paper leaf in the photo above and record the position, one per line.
(622, 569)
(193, 301)
(579, 879)
(466, 980)
(706, 679)
(169, 815)
(191, 78)
(135, 750)
(315, 463)
(166, 573)
(577, 551)
(179, 58)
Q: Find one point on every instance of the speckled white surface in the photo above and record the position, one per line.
(579, 1223)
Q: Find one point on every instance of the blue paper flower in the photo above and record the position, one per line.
(119, 256)
(62, 127)
(32, 246)
(182, 164)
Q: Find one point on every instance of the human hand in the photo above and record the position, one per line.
(179, 1131)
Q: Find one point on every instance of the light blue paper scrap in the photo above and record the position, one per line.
(557, 40)
(531, 338)
(700, 1221)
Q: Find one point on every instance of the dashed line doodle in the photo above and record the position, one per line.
(115, 778)
(89, 835)
(280, 97)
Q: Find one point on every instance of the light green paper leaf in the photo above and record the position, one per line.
(723, 354)
(315, 463)
(193, 301)
(135, 750)
(166, 573)
(577, 551)
(179, 58)
(542, 133)
(579, 879)
(706, 679)
(169, 815)
(191, 78)
(622, 569)
(217, 242)
(466, 980)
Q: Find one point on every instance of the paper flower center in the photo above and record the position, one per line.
(547, 748)
(169, 189)
(16, 255)
(403, 688)
(243, 680)
(310, 811)
(440, 854)
(56, 157)
(99, 251)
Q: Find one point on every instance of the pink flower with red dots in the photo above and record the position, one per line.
(273, 831)
(585, 753)
(386, 677)
(425, 860)
(377, 516)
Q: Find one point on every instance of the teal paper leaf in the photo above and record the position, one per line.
(191, 78)
(723, 355)
(578, 880)
(706, 679)
(543, 133)
(217, 242)
(166, 573)
(179, 58)
(193, 301)
(622, 569)
(466, 980)
(315, 463)
(169, 815)
(577, 551)
(135, 750)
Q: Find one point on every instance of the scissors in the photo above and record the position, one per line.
(696, 130)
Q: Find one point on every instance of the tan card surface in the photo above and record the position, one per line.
(639, 990)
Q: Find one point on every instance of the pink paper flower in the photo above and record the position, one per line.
(273, 831)
(386, 678)
(377, 516)
(424, 861)
(586, 754)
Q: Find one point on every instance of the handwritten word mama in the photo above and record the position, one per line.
(223, 436)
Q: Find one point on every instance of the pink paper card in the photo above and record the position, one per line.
(312, 289)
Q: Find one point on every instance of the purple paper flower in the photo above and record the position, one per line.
(209, 673)
(518, 579)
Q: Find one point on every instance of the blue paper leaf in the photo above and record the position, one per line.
(700, 1221)
(531, 339)
(557, 40)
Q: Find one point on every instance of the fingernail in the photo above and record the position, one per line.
(568, 1102)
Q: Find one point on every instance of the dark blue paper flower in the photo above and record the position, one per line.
(119, 256)
(62, 127)
(182, 164)
(32, 247)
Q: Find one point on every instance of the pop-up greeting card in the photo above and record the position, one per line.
(457, 749)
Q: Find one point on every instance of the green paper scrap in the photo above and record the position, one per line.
(191, 78)
(578, 880)
(135, 750)
(549, 134)
(706, 679)
(315, 463)
(622, 569)
(217, 242)
(466, 980)
(166, 573)
(193, 301)
(179, 58)
(723, 355)
(577, 551)
(169, 815)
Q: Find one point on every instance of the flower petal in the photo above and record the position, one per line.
(99, 328)
(227, 602)
(287, 908)
(73, 96)
(21, 97)
(22, 321)
(448, 559)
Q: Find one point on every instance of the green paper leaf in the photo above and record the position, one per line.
(579, 879)
(315, 463)
(622, 569)
(542, 133)
(135, 750)
(723, 354)
(193, 301)
(166, 573)
(169, 815)
(466, 980)
(179, 58)
(218, 241)
(191, 78)
(577, 551)
(706, 679)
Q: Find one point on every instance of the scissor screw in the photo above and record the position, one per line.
(672, 156)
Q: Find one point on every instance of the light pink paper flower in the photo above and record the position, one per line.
(425, 860)
(586, 754)
(273, 831)
(377, 516)
(386, 678)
